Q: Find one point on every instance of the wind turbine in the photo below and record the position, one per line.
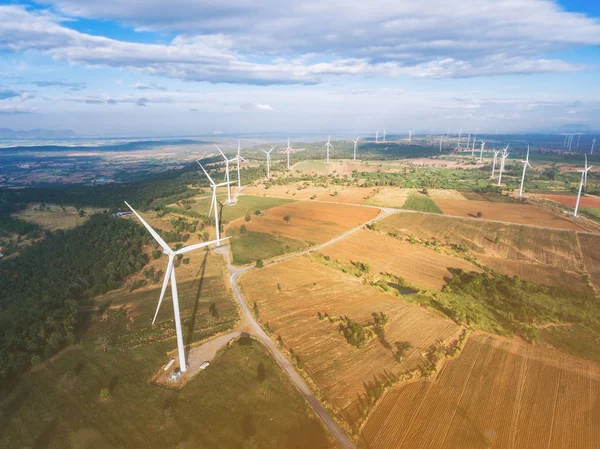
(239, 160)
(441, 140)
(505, 154)
(593, 143)
(469, 142)
(496, 152)
(481, 151)
(409, 135)
(459, 136)
(213, 204)
(565, 144)
(578, 137)
(355, 146)
(583, 175)
(525, 164)
(328, 146)
(268, 153)
(473, 149)
(226, 175)
(288, 150)
(377, 136)
(170, 276)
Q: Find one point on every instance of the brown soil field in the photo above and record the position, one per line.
(498, 394)
(445, 193)
(390, 197)
(590, 248)
(347, 195)
(289, 191)
(513, 213)
(415, 263)
(538, 255)
(310, 221)
(592, 202)
(291, 293)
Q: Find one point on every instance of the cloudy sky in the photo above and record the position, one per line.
(158, 67)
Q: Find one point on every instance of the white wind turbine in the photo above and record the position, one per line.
(496, 152)
(481, 151)
(213, 204)
(505, 154)
(473, 148)
(328, 146)
(525, 164)
(409, 135)
(239, 160)
(384, 133)
(170, 276)
(441, 141)
(583, 176)
(288, 150)
(227, 180)
(565, 144)
(377, 136)
(355, 146)
(459, 136)
(469, 142)
(593, 143)
(268, 153)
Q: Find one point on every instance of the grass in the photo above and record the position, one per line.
(246, 204)
(59, 404)
(260, 245)
(312, 166)
(55, 217)
(591, 213)
(576, 340)
(422, 203)
(226, 406)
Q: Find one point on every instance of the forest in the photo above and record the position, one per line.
(43, 288)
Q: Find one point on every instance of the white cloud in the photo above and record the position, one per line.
(249, 43)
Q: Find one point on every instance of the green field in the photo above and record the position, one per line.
(312, 166)
(246, 204)
(232, 404)
(422, 203)
(260, 245)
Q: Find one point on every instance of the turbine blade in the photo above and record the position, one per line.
(154, 234)
(164, 288)
(220, 152)
(187, 249)
(212, 203)
(206, 173)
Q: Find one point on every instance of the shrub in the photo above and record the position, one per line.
(104, 394)
(156, 254)
(248, 217)
(243, 229)
(287, 219)
(260, 263)
(186, 260)
(479, 215)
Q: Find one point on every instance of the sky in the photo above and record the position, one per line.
(193, 67)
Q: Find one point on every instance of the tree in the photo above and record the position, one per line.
(248, 217)
(104, 394)
(402, 347)
(214, 311)
(257, 212)
(256, 312)
(479, 215)
(81, 213)
(287, 219)
(260, 263)
(156, 254)
(243, 229)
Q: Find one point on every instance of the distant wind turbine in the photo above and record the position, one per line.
(239, 160)
(409, 135)
(355, 146)
(377, 136)
(525, 165)
(469, 142)
(473, 148)
(441, 141)
(384, 133)
(170, 276)
(288, 150)
(328, 146)
(578, 137)
(565, 144)
(459, 136)
(213, 204)
(593, 143)
(583, 176)
(268, 153)
(227, 180)
(505, 154)
(481, 151)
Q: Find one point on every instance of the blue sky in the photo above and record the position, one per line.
(117, 68)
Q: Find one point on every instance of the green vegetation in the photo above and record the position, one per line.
(354, 333)
(136, 413)
(260, 245)
(244, 207)
(42, 288)
(422, 203)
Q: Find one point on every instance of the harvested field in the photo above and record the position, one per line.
(347, 195)
(309, 221)
(289, 296)
(497, 394)
(292, 191)
(445, 193)
(590, 249)
(415, 263)
(507, 212)
(586, 201)
(54, 217)
(390, 197)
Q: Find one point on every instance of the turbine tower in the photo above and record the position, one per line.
(409, 135)
(473, 148)
(227, 180)
(469, 142)
(481, 151)
(213, 204)
(583, 175)
(384, 133)
(268, 153)
(239, 160)
(496, 152)
(355, 146)
(441, 140)
(377, 136)
(578, 137)
(565, 144)
(170, 276)
(459, 136)
(593, 143)
(328, 146)
(525, 164)
(505, 154)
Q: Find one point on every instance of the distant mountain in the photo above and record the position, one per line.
(7, 133)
